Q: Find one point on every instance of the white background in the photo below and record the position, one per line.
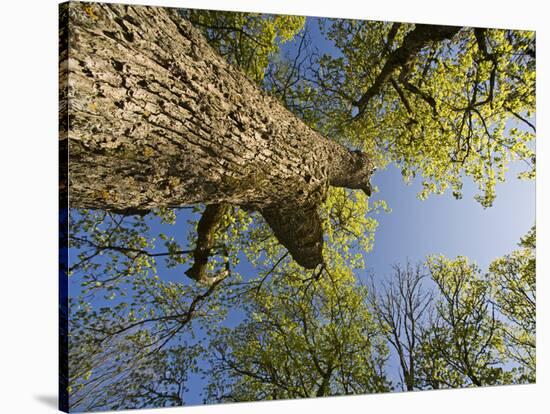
(28, 206)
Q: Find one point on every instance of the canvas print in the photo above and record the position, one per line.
(259, 207)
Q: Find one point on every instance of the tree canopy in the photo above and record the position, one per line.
(444, 105)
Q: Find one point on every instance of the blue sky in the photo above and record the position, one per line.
(443, 225)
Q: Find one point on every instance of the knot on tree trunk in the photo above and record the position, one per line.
(353, 170)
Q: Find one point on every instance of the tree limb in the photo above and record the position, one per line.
(413, 42)
(206, 229)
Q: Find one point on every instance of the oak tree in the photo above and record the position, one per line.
(165, 110)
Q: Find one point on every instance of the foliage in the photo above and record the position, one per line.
(514, 280)
(465, 334)
(303, 335)
(459, 107)
(247, 40)
(124, 320)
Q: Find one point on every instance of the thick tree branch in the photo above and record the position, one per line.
(481, 39)
(206, 230)
(299, 229)
(413, 42)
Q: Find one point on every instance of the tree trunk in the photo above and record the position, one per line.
(156, 118)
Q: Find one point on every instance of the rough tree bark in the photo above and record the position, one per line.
(156, 118)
